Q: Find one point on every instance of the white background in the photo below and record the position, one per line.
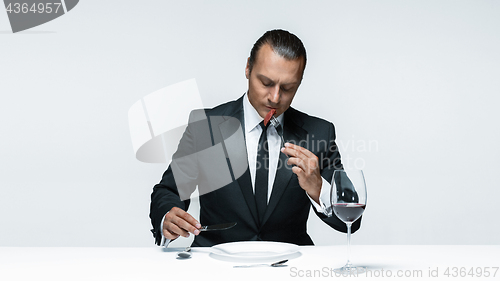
(412, 87)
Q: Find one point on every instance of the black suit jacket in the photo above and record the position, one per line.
(227, 194)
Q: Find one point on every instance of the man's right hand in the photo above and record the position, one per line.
(177, 223)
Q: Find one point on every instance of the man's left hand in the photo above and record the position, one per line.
(306, 168)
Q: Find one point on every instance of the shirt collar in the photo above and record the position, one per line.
(252, 117)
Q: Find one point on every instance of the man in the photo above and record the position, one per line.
(298, 174)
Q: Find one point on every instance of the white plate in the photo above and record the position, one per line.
(254, 251)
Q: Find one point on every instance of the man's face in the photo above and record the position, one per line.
(273, 81)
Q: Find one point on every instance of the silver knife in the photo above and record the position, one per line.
(222, 226)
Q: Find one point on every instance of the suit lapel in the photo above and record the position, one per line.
(293, 133)
(233, 137)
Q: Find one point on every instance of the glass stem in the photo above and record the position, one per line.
(348, 264)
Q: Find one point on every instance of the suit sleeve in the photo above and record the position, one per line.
(330, 161)
(181, 174)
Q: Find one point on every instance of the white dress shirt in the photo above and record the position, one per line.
(252, 134)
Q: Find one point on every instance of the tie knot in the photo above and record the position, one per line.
(264, 127)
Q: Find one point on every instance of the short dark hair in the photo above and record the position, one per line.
(283, 43)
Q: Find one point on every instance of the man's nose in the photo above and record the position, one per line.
(275, 95)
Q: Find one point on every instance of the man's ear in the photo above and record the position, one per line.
(247, 69)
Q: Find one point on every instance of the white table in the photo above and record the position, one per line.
(154, 263)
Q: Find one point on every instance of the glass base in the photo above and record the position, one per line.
(350, 270)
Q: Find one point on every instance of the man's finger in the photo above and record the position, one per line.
(165, 229)
(183, 221)
(296, 151)
(176, 230)
(299, 149)
(169, 235)
(290, 151)
(298, 171)
(191, 220)
(185, 216)
(185, 226)
(297, 162)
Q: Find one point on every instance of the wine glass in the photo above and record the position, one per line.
(348, 198)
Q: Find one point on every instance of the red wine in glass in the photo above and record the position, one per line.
(348, 199)
(348, 212)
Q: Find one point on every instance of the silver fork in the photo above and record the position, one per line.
(278, 128)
